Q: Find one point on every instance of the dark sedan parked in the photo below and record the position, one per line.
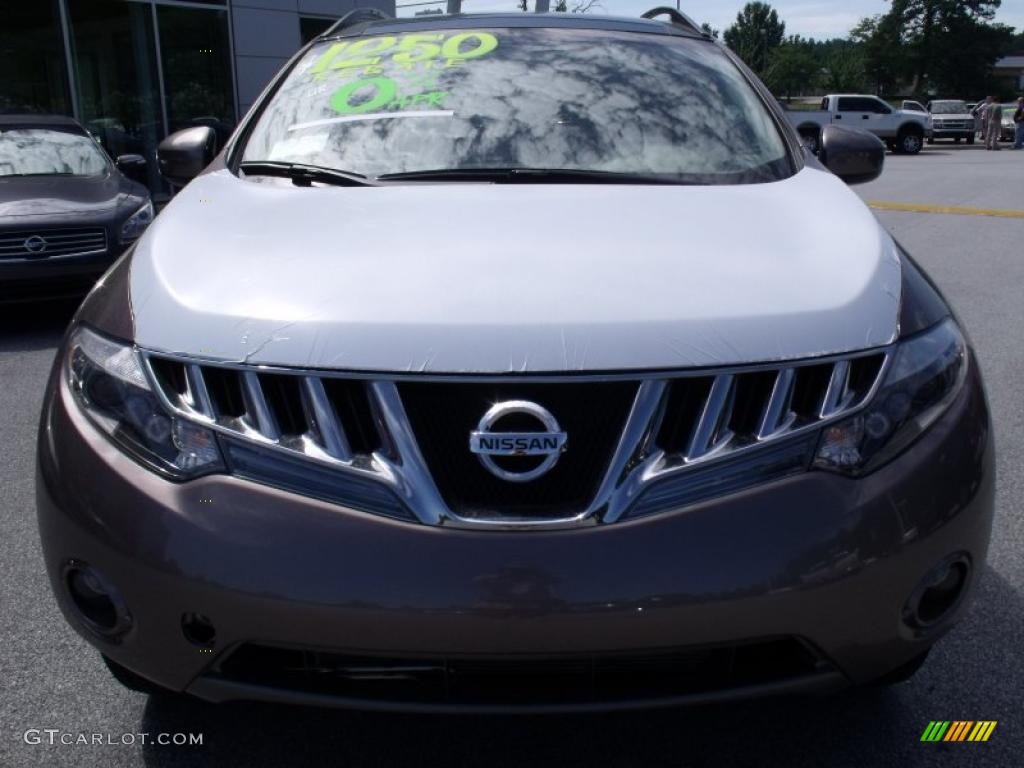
(66, 211)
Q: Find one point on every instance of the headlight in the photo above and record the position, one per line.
(109, 384)
(137, 223)
(927, 371)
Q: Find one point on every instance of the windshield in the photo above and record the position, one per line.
(46, 152)
(577, 99)
(949, 108)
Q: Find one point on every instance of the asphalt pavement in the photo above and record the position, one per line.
(51, 679)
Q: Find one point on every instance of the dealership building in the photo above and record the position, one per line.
(133, 71)
(1012, 68)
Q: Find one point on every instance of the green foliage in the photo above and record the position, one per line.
(707, 29)
(925, 47)
(756, 32)
(845, 70)
(793, 68)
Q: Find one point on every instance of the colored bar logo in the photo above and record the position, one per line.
(959, 730)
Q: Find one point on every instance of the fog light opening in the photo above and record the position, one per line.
(198, 630)
(98, 603)
(939, 592)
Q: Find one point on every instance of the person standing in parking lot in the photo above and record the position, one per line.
(994, 123)
(1018, 125)
(980, 112)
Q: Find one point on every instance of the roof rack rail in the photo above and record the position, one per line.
(676, 19)
(353, 17)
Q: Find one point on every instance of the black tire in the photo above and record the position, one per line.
(134, 682)
(970, 139)
(909, 141)
(932, 141)
(903, 672)
(955, 141)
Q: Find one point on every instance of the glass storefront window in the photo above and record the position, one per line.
(33, 71)
(196, 56)
(112, 45)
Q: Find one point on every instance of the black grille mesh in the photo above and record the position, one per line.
(512, 681)
(443, 414)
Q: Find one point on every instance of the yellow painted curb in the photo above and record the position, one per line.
(1004, 213)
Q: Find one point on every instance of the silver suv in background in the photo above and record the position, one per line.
(951, 119)
(512, 362)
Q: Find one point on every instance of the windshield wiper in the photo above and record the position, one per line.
(304, 175)
(532, 176)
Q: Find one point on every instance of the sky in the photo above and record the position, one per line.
(821, 19)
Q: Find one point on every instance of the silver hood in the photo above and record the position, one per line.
(476, 278)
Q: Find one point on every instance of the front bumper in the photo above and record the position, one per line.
(28, 279)
(822, 558)
(952, 133)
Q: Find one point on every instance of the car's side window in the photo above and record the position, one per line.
(879, 106)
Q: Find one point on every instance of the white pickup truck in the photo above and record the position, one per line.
(902, 130)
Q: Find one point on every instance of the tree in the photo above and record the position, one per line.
(707, 29)
(933, 46)
(845, 70)
(756, 32)
(793, 68)
(562, 6)
(935, 29)
(880, 42)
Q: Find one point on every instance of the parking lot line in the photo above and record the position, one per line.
(1005, 213)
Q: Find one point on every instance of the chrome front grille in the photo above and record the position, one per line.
(676, 431)
(706, 416)
(329, 419)
(46, 243)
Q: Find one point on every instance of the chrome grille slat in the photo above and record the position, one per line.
(777, 417)
(838, 395)
(414, 483)
(718, 415)
(198, 394)
(711, 435)
(258, 412)
(334, 441)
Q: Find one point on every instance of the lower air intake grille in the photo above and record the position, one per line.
(524, 681)
(443, 414)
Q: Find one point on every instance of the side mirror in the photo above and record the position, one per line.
(132, 166)
(854, 155)
(184, 154)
